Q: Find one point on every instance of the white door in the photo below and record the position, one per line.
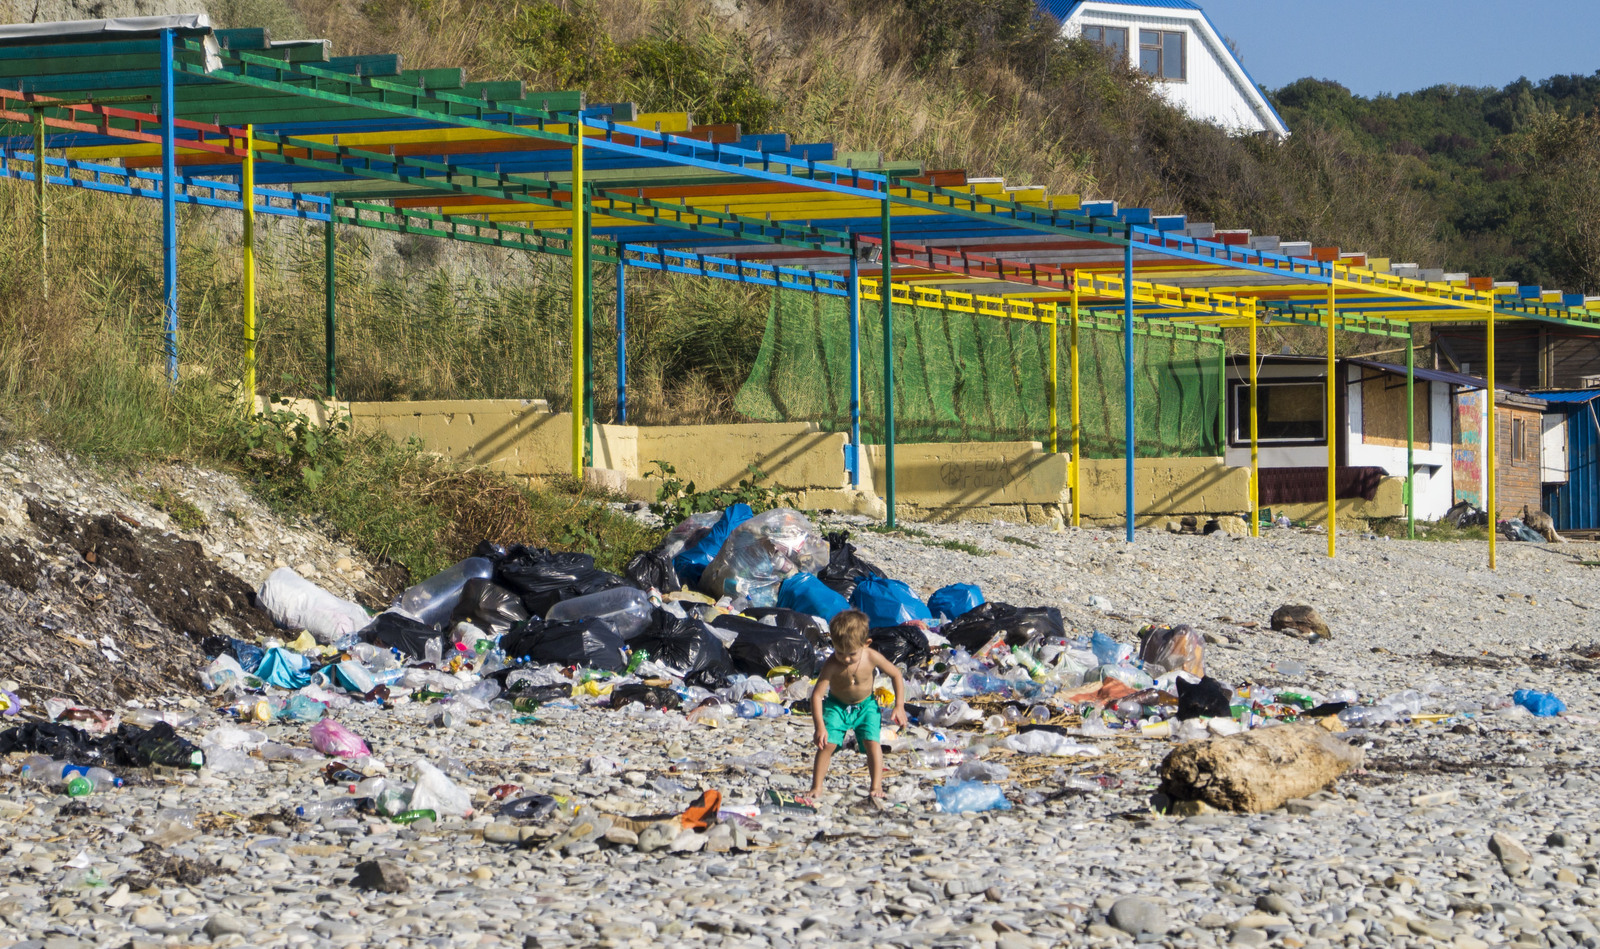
(1553, 448)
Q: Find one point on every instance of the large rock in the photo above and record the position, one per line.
(1302, 621)
(385, 876)
(1257, 770)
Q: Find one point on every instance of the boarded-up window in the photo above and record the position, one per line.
(1383, 412)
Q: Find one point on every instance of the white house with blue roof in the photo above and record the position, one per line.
(1175, 43)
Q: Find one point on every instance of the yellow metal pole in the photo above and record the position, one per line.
(1332, 430)
(1255, 458)
(1077, 429)
(247, 199)
(580, 264)
(1488, 441)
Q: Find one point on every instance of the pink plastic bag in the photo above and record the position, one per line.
(332, 738)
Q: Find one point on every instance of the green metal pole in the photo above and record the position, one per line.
(1222, 394)
(329, 283)
(588, 345)
(38, 200)
(887, 293)
(1411, 434)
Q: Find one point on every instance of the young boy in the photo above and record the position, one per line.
(842, 702)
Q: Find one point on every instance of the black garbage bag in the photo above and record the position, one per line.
(543, 578)
(761, 648)
(129, 747)
(492, 552)
(650, 696)
(905, 646)
(973, 629)
(651, 570)
(394, 631)
(532, 807)
(815, 629)
(157, 745)
(553, 692)
(1207, 698)
(593, 643)
(844, 568)
(490, 606)
(710, 678)
(682, 644)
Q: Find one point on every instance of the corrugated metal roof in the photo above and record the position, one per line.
(1433, 375)
(1061, 9)
(1572, 395)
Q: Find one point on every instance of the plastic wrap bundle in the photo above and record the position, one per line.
(627, 609)
(701, 546)
(686, 532)
(294, 602)
(761, 553)
(1167, 648)
(434, 599)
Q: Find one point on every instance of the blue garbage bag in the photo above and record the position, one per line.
(691, 561)
(284, 669)
(1542, 704)
(888, 602)
(248, 654)
(804, 593)
(955, 599)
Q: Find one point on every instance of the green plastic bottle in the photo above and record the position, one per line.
(638, 659)
(411, 817)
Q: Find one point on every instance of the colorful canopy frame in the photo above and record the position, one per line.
(170, 109)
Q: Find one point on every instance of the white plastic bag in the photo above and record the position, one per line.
(436, 792)
(296, 603)
(1041, 742)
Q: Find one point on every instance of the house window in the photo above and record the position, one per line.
(1519, 439)
(1286, 413)
(1161, 54)
(1110, 37)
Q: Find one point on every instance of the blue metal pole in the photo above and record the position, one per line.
(1127, 375)
(854, 466)
(169, 210)
(622, 345)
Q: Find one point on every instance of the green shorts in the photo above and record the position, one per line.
(840, 719)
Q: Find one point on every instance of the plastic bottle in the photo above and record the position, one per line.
(1025, 659)
(412, 816)
(627, 609)
(100, 778)
(639, 658)
(434, 599)
(323, 810)
(750, 708)
(1040, 715)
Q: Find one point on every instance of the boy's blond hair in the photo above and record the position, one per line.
(849, 631)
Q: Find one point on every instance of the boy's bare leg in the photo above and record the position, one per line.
(875, 767)
(820, 768)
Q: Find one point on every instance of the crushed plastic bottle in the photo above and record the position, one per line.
(324, 810)
(750, 708)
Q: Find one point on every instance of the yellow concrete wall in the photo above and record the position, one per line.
(719, 456)
(981, 481)
(1388, 501)
(1162, 488)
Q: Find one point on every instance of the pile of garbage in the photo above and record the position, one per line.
(726, 619)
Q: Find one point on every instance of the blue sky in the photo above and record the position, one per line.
(1373, 46)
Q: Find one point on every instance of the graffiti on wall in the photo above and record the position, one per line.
(1466, 456)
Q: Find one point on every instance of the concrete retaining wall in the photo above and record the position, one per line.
(973, 481)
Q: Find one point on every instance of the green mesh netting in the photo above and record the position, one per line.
(968, 377)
